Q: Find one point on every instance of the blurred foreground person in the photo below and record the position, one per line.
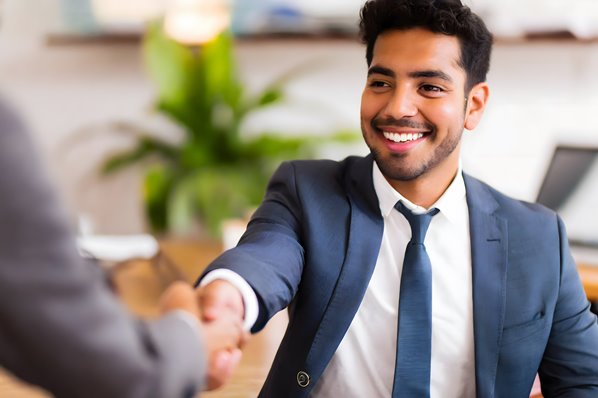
(62, 328)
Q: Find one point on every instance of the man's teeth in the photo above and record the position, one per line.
(402, 137)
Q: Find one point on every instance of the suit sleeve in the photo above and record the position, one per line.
(62, 328)
(269, 255)
(570, 363)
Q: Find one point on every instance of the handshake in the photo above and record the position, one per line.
(219, 308)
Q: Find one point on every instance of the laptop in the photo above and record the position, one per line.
(570, 188)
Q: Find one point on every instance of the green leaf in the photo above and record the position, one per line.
(168, 63)
(181, 208)
(158, 184)
(146, 147)
(221, 76)
(275, 146)
(271, 96)
(194, 155)
(343, 136)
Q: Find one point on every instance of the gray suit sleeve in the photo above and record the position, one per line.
(61, 326)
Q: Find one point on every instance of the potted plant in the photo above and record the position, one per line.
(212, 172)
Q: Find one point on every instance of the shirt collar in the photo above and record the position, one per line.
(448, 203)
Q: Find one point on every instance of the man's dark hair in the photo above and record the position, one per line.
(449, 17)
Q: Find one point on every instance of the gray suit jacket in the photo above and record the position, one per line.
(60, 325)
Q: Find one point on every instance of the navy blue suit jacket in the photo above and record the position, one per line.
(312, 246)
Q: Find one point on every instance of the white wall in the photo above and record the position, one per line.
(542, 93)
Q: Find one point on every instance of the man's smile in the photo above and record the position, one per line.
(402, 137)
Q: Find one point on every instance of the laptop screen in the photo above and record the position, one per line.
(570, 188)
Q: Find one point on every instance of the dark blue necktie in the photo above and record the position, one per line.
(414, 337)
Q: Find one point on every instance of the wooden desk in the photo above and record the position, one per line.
(589, 278)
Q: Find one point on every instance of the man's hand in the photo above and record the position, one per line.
(222, 337)
(221, 301)
(223, 358)
(220, 297)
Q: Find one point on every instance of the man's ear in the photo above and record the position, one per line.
(476, 103)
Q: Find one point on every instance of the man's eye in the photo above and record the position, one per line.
(431, 89)
(378, 83)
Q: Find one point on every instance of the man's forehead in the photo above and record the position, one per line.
(417, 47)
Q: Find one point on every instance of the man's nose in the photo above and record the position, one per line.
(402, 103)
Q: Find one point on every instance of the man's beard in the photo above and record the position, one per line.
(395, 168)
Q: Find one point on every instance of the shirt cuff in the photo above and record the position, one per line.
(249, 297)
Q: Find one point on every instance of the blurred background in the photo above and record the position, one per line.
(89, 88)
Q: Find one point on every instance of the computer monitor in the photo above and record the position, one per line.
(570, 187)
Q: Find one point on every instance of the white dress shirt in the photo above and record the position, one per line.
(364, 362)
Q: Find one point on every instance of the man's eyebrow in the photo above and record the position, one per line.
(380, 70)
(431, 74)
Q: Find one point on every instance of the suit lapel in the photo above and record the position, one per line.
(365, 237)
(489, 261)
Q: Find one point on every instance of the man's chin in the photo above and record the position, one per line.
(393, 171)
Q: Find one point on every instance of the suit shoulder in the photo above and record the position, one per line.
(518, 210)
(318, 179)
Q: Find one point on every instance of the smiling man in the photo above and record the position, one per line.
(403, 275)
(414, 108)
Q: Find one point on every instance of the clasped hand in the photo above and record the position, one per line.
(219, 308)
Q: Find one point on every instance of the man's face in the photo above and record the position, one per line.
(413, 105)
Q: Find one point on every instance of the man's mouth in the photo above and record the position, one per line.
(402, 137)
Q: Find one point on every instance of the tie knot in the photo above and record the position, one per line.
(419, 222)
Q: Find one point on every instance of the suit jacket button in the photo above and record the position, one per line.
(303, 379)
